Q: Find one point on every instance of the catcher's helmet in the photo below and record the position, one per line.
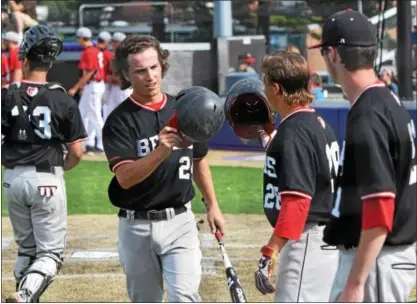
(199, 113)
(247, 109)
(40, 43)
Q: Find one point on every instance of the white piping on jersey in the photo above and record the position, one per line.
(149, 108)
(374, 85)
(379, 194)
(33, 82)
(300, 110)
(301, 194)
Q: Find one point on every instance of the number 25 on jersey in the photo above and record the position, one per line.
(272, 197)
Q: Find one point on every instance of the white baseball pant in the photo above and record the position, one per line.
(152, 252)
(116, 96)
(90, 108)
(306, 268)
(391, 279)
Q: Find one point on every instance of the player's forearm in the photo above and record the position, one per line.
(74, 156)
(134, 173)
(370, 245)
(83, 80)
(203, 179)
(277, 242)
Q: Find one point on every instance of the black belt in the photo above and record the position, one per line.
(44, 169)
(153, 215)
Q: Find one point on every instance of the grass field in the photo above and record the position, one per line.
(92, 227)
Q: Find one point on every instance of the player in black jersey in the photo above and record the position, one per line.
(375, 221)
(300, 167)
(158, 237)
(37, 119)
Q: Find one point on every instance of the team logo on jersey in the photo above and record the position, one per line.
(22, 135)
(32, 91)
(321, 121)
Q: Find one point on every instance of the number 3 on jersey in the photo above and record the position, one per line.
(42, 119)
(412, 133)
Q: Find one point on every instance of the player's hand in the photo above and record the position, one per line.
(352, 294)
(168, 138)
(215, 219)
(265, 270)
(72, 92)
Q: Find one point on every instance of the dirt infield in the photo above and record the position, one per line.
(215, 158)
(99, 277)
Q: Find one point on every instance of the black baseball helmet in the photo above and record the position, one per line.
(199, 113)
(40, 43)
(246, 108)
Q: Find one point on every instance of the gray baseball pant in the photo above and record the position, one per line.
(37, 207)
(391, 279)
(154, 252)
(306, 268)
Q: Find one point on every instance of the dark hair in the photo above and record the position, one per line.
(136, 44)
(290, 71)
(357, 57)
(99, 40)
(36, 65)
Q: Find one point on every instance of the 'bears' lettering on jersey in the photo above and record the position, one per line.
(35, 129)
(378, 159)
(131, 132)
(302, 160)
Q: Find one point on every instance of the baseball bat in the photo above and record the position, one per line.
(235, 288)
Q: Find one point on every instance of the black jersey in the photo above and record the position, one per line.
(302, 159)
(131, 132)
(378, 159)
(37, 119)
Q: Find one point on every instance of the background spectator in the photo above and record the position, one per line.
(316, 87)
(23, 15)
(11, 44)
(245, 63)
(293, 49)
(386, 77)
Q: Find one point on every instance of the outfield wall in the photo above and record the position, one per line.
(333, 112)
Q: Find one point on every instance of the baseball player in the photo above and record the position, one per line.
(158, 237)
(4, 70)
(103, 41)
(37, 119)
(300, 167)
(11, 42)
(92, 65)
(116, 95)
(375, 212)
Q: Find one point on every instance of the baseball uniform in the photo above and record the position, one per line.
(37, 119)
(302, 161)
(378, 160)
(158, 238)
(107, 57)
(92, 59)
(4, 70)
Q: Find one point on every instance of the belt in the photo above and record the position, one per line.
(43, 169)
(153, 215)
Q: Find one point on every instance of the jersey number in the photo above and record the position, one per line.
(336, 207)
(43, 129)
(412, 133)
(332, 152)
(272, 197)
(100, 60)
(185, 168)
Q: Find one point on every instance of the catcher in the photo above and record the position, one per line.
(300, 166)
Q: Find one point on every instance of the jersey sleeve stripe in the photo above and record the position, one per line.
(295, 193)
(379, 194)
(123, 162)
(77, 140)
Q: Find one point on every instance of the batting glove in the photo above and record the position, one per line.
(266, 268)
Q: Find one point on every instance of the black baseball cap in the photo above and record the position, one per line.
(349, 28)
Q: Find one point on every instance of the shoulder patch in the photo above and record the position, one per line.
(55, 86)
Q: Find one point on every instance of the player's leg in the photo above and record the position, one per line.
(393, 276)
(19, 213)
(95, 115)
(301, 263)
(139, 261)
(83, 106)
(181, 257)
(49, 220)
